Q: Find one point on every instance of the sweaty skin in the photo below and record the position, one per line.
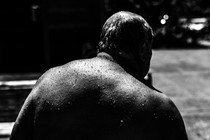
(96, 99)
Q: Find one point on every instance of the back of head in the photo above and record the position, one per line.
(125, 31)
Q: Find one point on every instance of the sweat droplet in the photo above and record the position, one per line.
(121, 121)
(155, 116)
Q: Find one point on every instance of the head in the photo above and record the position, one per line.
(128, 37)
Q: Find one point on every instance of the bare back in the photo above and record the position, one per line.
(97, 99)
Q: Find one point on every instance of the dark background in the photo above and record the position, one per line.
(36, 35)
(39, 34)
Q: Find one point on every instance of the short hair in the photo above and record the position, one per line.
(124, 31)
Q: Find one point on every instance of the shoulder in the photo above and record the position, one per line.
(166, 116)
(56, 78)
(65, 77)
(162, 105)
(59, 73)
(158, 114)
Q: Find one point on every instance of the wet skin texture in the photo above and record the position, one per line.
(96, 99)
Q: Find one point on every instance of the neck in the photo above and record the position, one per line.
(128, 65)
(105, 56)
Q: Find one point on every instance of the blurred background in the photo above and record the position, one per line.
(39, 34)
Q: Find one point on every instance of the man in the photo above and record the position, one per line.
(105, 97)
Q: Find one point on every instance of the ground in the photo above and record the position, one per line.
(184, 75)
